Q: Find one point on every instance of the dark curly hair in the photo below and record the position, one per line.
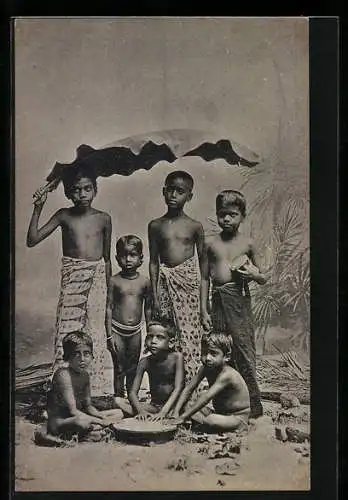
(73, 340)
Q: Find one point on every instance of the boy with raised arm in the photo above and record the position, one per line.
(227, 390)
(86, 268)
(128, 295)
(175, 279)
(165, 369)
(233, 262)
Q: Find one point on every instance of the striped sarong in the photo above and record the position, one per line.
(81, 307)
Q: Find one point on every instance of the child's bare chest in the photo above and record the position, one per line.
(228, 251)
(177, 232)
(163, 372)
(83, 227)
(124, 288)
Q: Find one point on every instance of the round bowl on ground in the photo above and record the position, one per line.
(132, 430)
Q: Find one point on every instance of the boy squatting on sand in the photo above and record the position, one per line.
(233, 262)
(128, 292)
(227, 390)
(165, 369)
(69, 405)
(175, 280)
(86, 268)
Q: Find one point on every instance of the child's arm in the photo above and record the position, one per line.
(107, 247)
(64, 386)
(133, 395)
(35, 235)
(178, 386)
(89, 408)
(204, 269)
(203, 400)
(253, 271)
(148, 302)
(188, 390)
(108, 318)
(154, 265)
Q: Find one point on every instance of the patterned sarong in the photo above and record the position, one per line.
(179, 296)
(81, 307)
(231, 313)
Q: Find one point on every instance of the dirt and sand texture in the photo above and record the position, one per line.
(273, 455)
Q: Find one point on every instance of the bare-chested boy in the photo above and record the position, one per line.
(165, 369)
(129, 294)
(175, 279)
(227, 390)
(233, 261)
(86, 268)
(70, 408)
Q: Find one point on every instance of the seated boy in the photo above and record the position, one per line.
(69, 408)
(227, 390)
(165, 369)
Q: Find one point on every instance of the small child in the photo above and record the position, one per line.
(165, 369)
(86, 268)
(175, 279)
(233, 262)
(69, 406)
(227, 389)
(129, 292)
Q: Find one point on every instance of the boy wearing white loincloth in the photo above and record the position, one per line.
(128, 294)
(86, 268)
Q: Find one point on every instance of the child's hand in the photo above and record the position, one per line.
(110, 342)
(177, 421)
(87, 421)
(206, 321)
(40, 197)
(174, 415)
(144, 416)
(249, 271)
(159, 416)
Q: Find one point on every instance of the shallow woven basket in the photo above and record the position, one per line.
(130, 430)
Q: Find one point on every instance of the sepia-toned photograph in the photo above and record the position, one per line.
(162, 255)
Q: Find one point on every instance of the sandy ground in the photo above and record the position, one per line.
(265, 464)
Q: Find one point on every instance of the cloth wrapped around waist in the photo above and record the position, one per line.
(81, 307)
(179, 297)
(125, 330)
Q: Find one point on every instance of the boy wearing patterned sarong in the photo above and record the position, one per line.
(86, 268)
(174, 239)
(233, 261)
(129, 293)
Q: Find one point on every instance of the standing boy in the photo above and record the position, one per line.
(233, 261)
(86, 268)
(129, 293)
(175, 280)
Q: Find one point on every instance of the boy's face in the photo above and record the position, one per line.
(229, 218)
(177, 192)
(157, 339)
(129, 259)
(81, 358)
(212, 357)
(82, 193)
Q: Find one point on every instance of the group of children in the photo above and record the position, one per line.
(189, 337)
